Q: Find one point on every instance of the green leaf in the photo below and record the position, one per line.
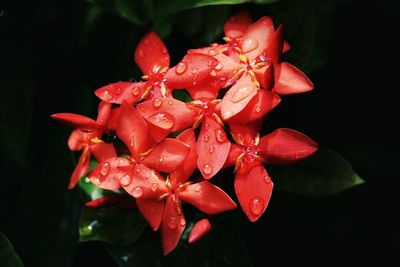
(222, 246)
(110, 225)
(309, 30)
(323, 174)
(8, 257)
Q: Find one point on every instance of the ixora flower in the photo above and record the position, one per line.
(157, 143)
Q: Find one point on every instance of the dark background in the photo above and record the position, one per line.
(52, 57)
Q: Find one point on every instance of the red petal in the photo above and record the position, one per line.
(106, 174)
(212, 50)
(105, 201)
(152, 211)
(234, 153)
(167, 156)
(192, 70)
(246, 133)
(181, 174)
(144, 183)
(254, 191)
(119, 92)
(183, 116)
(78, 121)
(151, 55)
(257, 108)
(256, 39)
(81, 168)
(286, 47)
(103, 151)
(113, 119)
(160, 125)
(77, 140)
(212, 148)
(132, 130)
(237, 24)
(103, 112)
(200, 229)
(286, 146)
(265, 75)
(290, 80)
(228, 70)
(238, 97)
(172, 226)
(206, 197)
(275, 46)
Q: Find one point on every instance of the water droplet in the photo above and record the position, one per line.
(161, 158)
(137, 170)
(239, 191)
(249, 45)
(182, 222)
(122, 161)
(96, 180)
(197, 188)
(256, 206)
(162, 120)
(154, 187)
(106, 95)
(258, 109)
(297, 156)
(207, 169)
(105, 169)
(206, 138)
(240, 94)
(141, 54)
(212, 52)
(194, 70)
(267, 179)
(210, 62)
(194, 83)
(211, 150)
(181, 67)
(213, 73)
(125, 180)
(137, 192)
(220, 136)
(218, 66)
(157, 102)
(164, 50)
(206, 126)
(170, 102)
(172, 222)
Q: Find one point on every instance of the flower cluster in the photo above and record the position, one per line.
(232, 87)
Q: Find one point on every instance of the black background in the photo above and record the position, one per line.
(352, 110)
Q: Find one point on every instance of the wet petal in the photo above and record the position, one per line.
(234, 153)
(286, 146)
(212, 50)
(200, 229)
(212, 147)
(107, 173)
(206, 197)
(119, 92)
(113, 119)
(172, 226)
(160, 125)
(103, 151)
(103, 112)
(238, 96)
(265, 75)
(81, 168)
(254, 191)
(257, 108)
(256, 38)
(275, 46)
(237, 24)
(290, 80)
(192, 70)
(183, 116)
(78, 121)
(152, 211)
(167, 156)
(245, 133)
(132, 130)
(181, 174)
(151, 55)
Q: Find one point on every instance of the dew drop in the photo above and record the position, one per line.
(267, 179)
(172, 222)
(182, 222)
(210, 62)
(170, 102)
(206, 138)
(256, 206)
(206, 126)
(106, 95)
(161, 158)
(105, 169)
(154, 187)
(258, 109)
(125, 180)
(197, 188)
(218, 66)
(212, 52)
(141, 54)
(207, 169)
(213, 73)
(240, 94)
(211, 150)
(194, 83)
(249, 45)
(157, 102)
(220, 136)
(96, 180)
(164, 50)
(181, 67)
(162, 120)
(137, 192)
(194, 70)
